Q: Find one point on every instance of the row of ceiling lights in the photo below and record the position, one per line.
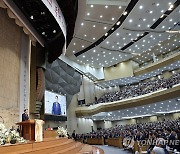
(123, 39)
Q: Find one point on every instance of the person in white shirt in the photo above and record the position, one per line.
(159, 148)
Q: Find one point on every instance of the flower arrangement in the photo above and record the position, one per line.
(11, 136)
(62, 132)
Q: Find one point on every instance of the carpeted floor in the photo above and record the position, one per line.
(113, 150)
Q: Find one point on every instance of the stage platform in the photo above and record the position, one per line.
(51, 146)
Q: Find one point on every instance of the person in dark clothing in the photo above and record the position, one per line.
(74, 135)
(177, 139)
(25, 115)
(68, 135)
(170, 137)
(152, 138)
(56, 108)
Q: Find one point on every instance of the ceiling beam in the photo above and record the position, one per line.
(109, 2)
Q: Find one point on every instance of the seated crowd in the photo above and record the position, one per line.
(165, 131)
(140, 89)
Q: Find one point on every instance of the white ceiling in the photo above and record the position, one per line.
(168, 106)
(100, 18)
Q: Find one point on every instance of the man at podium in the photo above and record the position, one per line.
(25, 115)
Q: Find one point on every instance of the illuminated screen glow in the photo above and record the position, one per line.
(55, 104)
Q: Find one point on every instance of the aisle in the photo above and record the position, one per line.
(112, 150)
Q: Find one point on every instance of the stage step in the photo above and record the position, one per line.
(49, 146)
(71, 150)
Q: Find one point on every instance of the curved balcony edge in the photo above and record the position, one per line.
(153, 97)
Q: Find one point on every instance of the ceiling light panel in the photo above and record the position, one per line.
(77, 45)
(104, 12)
(148, 10)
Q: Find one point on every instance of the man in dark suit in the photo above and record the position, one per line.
(56, 108)
(25, 115)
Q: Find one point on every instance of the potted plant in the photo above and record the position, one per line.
(3, 134)
(13, 136)
(62, 132)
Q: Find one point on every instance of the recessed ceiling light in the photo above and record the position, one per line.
(84, 56)
(162, 11)
(82, 24)
(94, 26)
(125, 13)
(140, 7)
(32, 17)
(88, 14)
(139, 25)
(163, 26)
(105, 27)
(94, 50)
(117, 34)
(157, 4)
(162, 16)
(148, 25)
(94, 38)
(54, 31)
(85, 35)
(82, 46)
(112, 18)
(120, 7)
(171, 7)
(43, 33)
(74, 51)
(144, 19)
(107, 42)
(130, 20)
(118, 23)
(151, 12)
(92, 5)
(154, 19)
(170, 20)
(101, 16)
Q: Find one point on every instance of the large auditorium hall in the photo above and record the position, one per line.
(90, 76)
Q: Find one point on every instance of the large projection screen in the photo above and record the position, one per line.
(55, 104)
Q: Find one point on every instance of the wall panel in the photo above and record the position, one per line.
(10, 47)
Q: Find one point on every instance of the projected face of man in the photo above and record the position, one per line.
(56, 98)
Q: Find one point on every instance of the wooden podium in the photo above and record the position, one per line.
(27, 129)
(31, 129)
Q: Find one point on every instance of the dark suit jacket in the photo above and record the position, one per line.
(56, 108)
(25, 117)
